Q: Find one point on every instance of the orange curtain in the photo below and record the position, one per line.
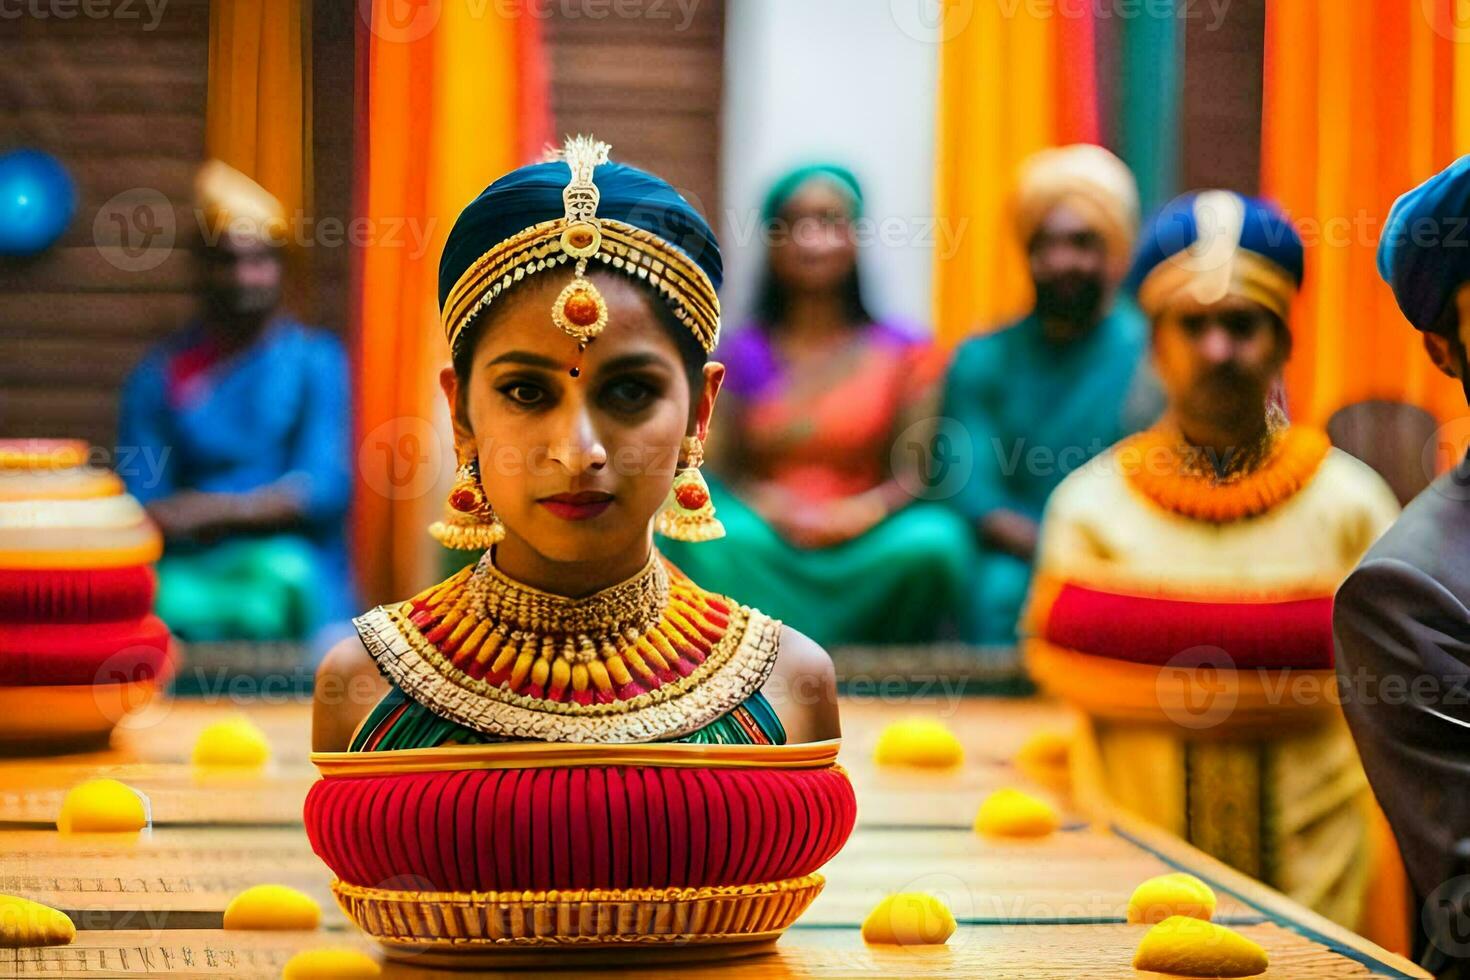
(453, 97)
(1011, 82)
(1360, 106)
(258, 110)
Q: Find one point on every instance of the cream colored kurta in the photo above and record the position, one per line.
(1284, 802)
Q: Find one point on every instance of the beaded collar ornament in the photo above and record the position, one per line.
(653, 657)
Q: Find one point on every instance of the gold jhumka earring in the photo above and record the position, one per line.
(688, 514)
(469, 522)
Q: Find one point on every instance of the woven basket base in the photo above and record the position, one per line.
(577, 927)
(580, 957)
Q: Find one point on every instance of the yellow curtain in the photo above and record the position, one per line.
(448, 108)
(1010, 84)
(1362, 102)
(258, 111)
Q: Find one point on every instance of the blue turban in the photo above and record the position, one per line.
(1212, 244)
(532, 195)
(1425, 251)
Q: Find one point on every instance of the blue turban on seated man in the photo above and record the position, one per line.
(1213, 244)
(1425, 250)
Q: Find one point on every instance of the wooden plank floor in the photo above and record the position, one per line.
(151, 906)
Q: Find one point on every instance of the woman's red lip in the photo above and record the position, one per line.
(582, 497)
(577, 506)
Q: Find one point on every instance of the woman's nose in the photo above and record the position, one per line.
(580, 447)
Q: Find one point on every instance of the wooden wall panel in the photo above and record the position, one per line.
(123, 107)
(649, 83)
(1224, 63)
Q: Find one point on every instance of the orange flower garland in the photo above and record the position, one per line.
(1155, 466)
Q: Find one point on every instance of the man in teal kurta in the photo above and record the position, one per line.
(1026, 404)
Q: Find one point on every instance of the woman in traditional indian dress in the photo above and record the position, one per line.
(826, 418)
(572, 397)
(482, 798)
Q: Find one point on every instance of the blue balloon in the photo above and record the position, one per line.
(37, 201)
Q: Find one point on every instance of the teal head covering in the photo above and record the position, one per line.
(791, 181)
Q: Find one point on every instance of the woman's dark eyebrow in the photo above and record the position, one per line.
(631, 361)
(528, 359)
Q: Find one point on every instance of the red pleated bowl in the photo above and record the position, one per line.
(532, 853)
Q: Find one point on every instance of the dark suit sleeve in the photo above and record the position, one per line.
(1403, 656)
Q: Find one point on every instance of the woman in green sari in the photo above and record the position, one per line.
(825, 425)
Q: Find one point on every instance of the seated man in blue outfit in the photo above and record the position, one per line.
(246, 413)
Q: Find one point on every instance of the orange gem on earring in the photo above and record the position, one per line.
(464, 500)
(688, 514)
(691, 496)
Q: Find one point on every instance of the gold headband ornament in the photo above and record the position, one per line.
(580, 236)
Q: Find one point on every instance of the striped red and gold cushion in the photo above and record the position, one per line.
(112, 652)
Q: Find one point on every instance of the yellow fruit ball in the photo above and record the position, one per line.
(1189, 947)
(102, 806)
(331, 964)
(272, 907)
(1012, 813)
(909, 919)
(1173, 894)
(1046, 758)
(234, 743)
(921, 742)
(24, 923)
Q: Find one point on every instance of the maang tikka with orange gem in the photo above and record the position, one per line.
(579, 309)
(583, 238)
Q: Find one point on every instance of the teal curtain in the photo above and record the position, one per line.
(1146, 121)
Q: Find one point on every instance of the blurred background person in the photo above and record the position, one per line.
(816, 494)
(1401, 618)
(1041, 396)
(247, 411)
(1209, 546)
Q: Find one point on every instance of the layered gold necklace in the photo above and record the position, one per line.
(650, 658)
(579, 630)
